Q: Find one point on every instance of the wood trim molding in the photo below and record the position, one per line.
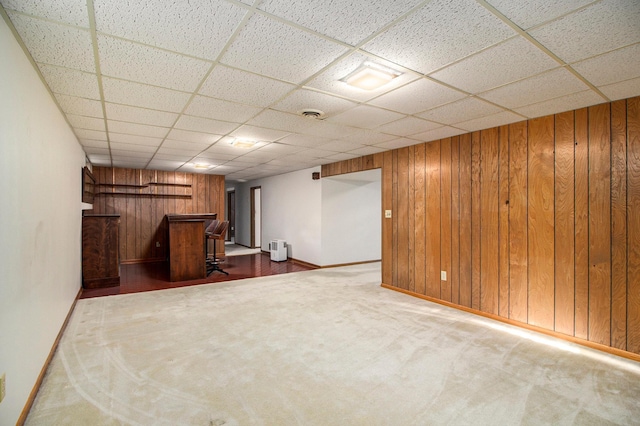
(603, 348)
(36, 387)
(337, 265)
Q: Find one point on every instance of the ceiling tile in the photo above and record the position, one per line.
(304, 140)
(442, 32)
(132, 147)
(136, 129)
(55, 44)
(462, 110)
(351, 23)
(89, 123)
(244, 87)
(622, 90)
(329, 79)
(549, 85)
(170, 25)
(283, 121)
(367, 137)
(103, 153)
(341, 146)
(142, 95)
(397, 143)
(367, 150)
(565, 103)
(512, 60)
(79, 106)
(94, 143)
(188, 136)
(528, 13)
(140, 115)
(302, 99)
(134, 139)
(366, 117)
(181, 156)
(495, 120)
(271, 48)
(599, 28)
(439, 133)
(179, 148)
(91, 134)
(198, 124)
(165, 165)
(258, 133)
(217, 109)
(281, 149)
(216, 156)
(72, 12)
(143, 64)
(599, 71)
(408, 126)
(99, 159)
(417, 96)
(70, 82)
(139, 156)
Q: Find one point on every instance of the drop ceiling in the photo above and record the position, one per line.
(166, 85)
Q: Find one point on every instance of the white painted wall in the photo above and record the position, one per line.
(291, 211)
(40, 223)
(325, 222)
(351, 218)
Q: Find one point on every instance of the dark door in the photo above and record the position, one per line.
(231, 206)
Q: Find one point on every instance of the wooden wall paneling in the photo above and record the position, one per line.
(518, 231)
(120, 207)
(368, 162)
(445, 217)
(633, 224)
(110, 200)
(600, 224)
(476, 220)
(387, 224)
(503, 222)
(581, 317)
(420, 235)
(411, 285)
(181, 203)
(395, 216)
(402, 246)
(489, 219)
(619, 224)
(160, 209)
(541, 222)
(378, 160)
(564, 223)
(454, 276)
(465, 220)
(432, 228)
(145, 219)
(132, 177)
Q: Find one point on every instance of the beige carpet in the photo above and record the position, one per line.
(231, 249)
(321, 347)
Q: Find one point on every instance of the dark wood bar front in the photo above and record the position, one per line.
(187, 245)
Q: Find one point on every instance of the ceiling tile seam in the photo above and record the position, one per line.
(96, 58)
(557, 18)
(35, 67)
(51, 21)
(196, 91)
(540, 46)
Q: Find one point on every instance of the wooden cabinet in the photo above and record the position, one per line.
(187, 246)
(100, 257)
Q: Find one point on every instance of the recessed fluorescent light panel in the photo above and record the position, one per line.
(370, 76)
(201, 166)
(243, 143)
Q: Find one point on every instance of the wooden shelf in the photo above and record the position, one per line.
(150, 189)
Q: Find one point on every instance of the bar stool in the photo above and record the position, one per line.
(215, 233)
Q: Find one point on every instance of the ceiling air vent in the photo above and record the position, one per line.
(315, 114)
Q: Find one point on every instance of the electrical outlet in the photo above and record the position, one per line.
(387, 214)
(443, 275)
(2, 386)
(157, 243)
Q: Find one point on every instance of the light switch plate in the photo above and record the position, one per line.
(443, 275)
(387, 214)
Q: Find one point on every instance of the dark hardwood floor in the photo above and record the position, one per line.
(139, 277)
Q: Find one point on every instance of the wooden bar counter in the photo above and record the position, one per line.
(187, 245)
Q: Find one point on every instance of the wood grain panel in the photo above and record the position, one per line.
(420, 219)
(394, 244)
(132, 178)
(387, 227)
(581, 318)
(465, 220)
(432, 246)
(411, 220)
(489, 219)
(518, 231)
(476, 220)
(402, 245)
(120, 207)
(633, 224)
(541, 222)
(144, 234)
(564, 223)
(445, 217)
(600, 224)
(503, 222)
(619, 224)
(454, 276)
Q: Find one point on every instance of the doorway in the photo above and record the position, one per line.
(231, 215)
(256, 217)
